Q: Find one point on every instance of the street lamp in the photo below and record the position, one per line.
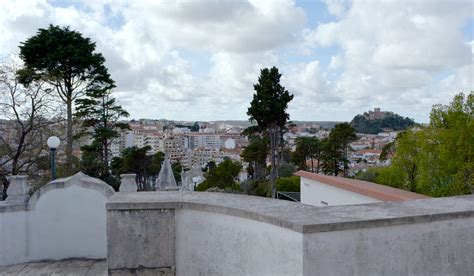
(53, 144)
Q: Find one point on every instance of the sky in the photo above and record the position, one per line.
(198, 60)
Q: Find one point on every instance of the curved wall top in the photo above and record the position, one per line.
(79, 179)
(300, 217)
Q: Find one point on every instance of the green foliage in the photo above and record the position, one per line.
(91, 163)
(369, 175)
(335, 149)
(223, 176)
(177, 168)
(288, 184)
(256, 187)
(99, 115)
(286, 169)
(331, 156)
(392, 121)
(382, 175)
(269, 103)
(437, 160)
(67, 62)
(307, 148)
(268, 110)
(255, 153)
(387, 150)
(135, 160)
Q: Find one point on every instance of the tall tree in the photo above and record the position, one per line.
(29, 110)
(331, 156)
(255, 153)
(67, 61)
(100, 118)
(308, 148)
(268, 110)
(343, 134)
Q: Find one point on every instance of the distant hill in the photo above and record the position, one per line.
(376, 121)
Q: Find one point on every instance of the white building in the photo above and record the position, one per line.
(325, 190)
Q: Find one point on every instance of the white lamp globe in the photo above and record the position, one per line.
(53, 142)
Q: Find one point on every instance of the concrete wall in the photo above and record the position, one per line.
(434, 248)
(64, 219)
(315, 193)
(224, 234)
(209, 243)
(13, 235)
(141, 240)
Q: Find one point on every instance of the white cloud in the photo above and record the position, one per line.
(391, 53)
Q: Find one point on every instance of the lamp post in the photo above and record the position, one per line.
(53, 144)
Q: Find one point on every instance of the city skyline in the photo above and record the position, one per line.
(339, 58)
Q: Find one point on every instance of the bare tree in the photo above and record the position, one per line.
(27, 113)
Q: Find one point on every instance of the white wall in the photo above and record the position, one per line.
(61, 222)
(68, 223)
(217, 244)
(13, 241)
(443, 247)
(314, 192)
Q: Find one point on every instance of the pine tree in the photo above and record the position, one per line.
(268, 110)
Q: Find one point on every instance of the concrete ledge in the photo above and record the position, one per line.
(300, 217)
(79, 179)
(5, 208)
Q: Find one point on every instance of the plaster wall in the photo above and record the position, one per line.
(60, 221)
(13, 233)
(66, 223)
(315, 193)
(218, 244)
(435, 248)
(226, 234)
(141, 239)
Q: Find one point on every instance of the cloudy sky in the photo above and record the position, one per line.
(197, 60)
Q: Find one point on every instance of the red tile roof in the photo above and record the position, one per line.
(373, 190)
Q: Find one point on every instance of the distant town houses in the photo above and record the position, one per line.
(190, 147)
(194, 144)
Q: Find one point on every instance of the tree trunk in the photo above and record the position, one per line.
(273, 159)
(18, 152)
(345, 159)
(106, 157)
(69, 138)
(317, 165)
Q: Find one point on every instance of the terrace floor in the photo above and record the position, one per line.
(74, 267)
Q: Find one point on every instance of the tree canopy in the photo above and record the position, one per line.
(223, 176)
(67, 61)
(307, 148)
(436, 160)
(390, 120)
(255, 153)
(100, 119)
(135, 160)
(268, 110)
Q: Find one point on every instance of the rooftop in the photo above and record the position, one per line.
(373, 190)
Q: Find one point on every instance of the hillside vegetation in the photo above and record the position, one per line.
(388, 121)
